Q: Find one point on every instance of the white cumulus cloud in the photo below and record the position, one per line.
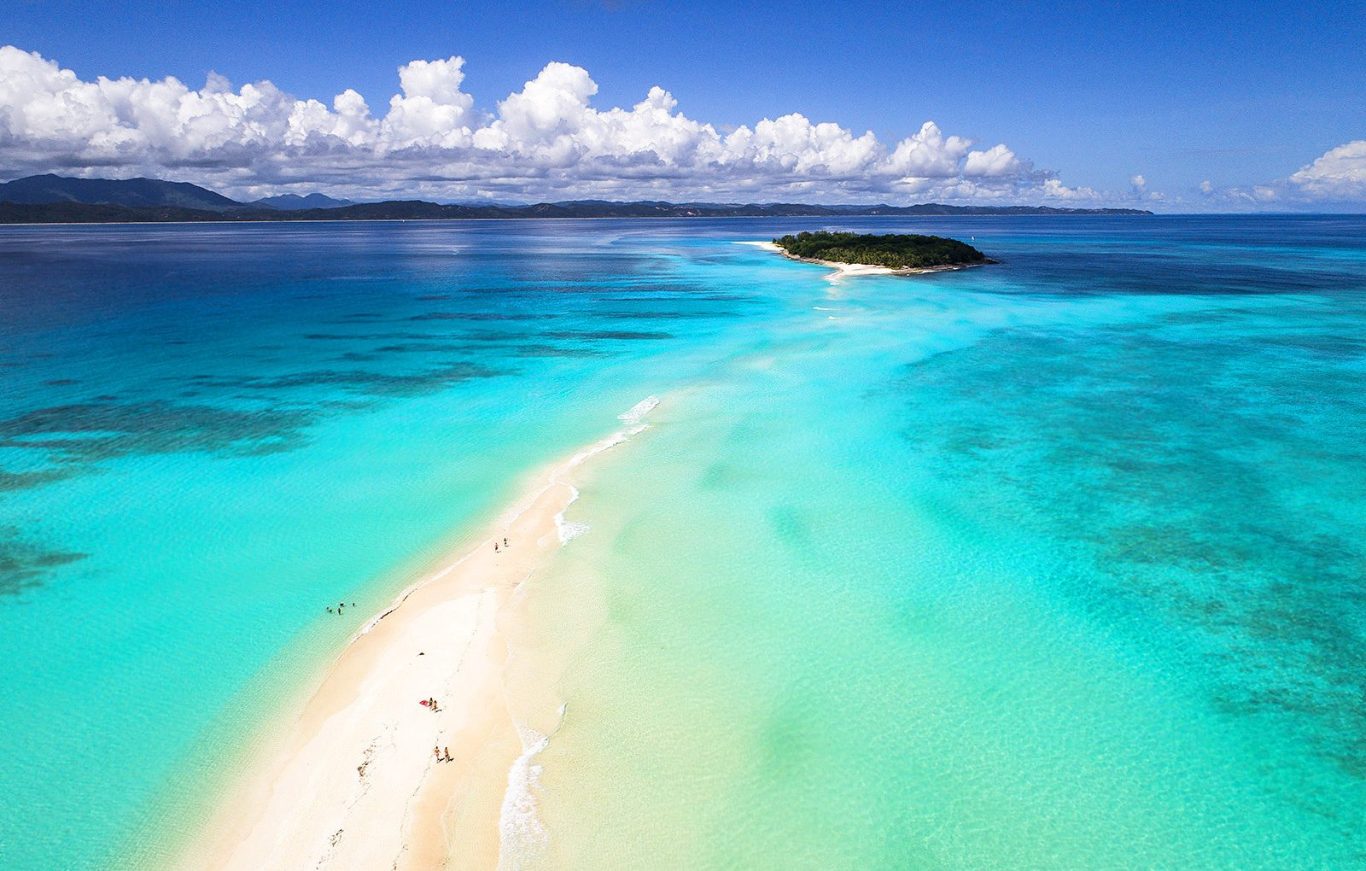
(432, 110)
(996, 162)
(1339, 174)
(546, 140)
(1054, 189)
(1335, 180)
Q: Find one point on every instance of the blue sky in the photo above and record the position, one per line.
(1092, 94)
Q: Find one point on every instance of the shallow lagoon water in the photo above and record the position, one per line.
(1052, 563)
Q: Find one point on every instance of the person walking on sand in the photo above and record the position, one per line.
(448, 755)
(505, 542)
(436, 751)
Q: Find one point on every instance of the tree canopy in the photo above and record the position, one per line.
(895, 251)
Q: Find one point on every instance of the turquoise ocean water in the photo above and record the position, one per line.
(1054, 563)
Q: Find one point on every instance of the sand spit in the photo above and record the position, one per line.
(352, 782)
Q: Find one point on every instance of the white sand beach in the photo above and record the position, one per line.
(849, 270)
(353, 781)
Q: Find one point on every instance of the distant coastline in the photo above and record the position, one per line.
(90, 213)
(56, 200)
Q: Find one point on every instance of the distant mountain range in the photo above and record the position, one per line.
(45, 199)
(146, 193)
(294, 202)
(135, 193)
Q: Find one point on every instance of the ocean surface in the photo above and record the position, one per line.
(1059, 562)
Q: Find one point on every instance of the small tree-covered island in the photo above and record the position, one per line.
(902, 252)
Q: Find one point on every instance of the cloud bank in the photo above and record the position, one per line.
(542, 142)
(545, 141)
(1340, 174)
(1337, 179)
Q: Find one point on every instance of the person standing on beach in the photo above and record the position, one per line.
(436, 751)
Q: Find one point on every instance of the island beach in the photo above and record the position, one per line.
(849, 270)
(352, 779)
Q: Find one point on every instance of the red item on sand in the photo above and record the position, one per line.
(423, 703)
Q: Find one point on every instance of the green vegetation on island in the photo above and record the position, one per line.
(892, 250)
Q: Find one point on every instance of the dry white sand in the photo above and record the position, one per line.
(353, 782)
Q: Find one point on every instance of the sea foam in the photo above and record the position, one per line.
(638, 411)
(568, 530)
(522, 835)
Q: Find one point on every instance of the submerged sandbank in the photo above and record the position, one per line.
(352, 780)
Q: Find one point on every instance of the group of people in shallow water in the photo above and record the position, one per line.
(341, 606)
